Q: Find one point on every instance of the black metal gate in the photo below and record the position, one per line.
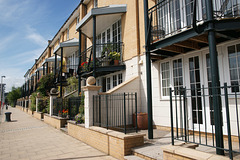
(115, 111)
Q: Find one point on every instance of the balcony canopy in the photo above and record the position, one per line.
(51, 59)
(69, 47)
(34, 74)
(39, 69)
(105, 16)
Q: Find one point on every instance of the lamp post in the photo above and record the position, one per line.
(1, 90)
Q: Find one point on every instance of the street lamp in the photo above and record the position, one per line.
(1, 95)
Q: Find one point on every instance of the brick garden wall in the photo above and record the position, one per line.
(111, 142)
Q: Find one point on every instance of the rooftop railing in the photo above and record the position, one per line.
(170, 17)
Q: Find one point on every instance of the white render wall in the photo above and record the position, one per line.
(161, 106)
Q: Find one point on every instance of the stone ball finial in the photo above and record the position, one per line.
(91, 81)
(54, 91)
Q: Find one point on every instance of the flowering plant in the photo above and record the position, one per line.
(79, 118)
(84, 66)
(63, 113)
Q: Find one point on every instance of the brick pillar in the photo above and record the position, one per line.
(89, 91)
(53, 95)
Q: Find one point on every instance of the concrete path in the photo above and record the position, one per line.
(28, 138)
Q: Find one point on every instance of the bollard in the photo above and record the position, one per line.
(8, 116)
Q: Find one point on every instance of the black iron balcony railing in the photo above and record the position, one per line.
(68, 69)
(67, 72)
(170, 17)
(107, 54)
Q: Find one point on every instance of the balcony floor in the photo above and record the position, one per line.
(101, 71)
(188, 40)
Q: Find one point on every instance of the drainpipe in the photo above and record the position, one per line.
(138, 50)
(148, 70)
(215, 79)
(79, 63)
(94, 46)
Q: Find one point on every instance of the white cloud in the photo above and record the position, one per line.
(6, 40)
(35, 37)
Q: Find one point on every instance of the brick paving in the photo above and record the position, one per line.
(28, 138)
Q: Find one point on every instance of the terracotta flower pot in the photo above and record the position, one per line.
(142, 120)
(116, 62)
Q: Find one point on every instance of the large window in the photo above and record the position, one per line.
(209, 79)
(113, 80)
(189, 11)
(165, 70)
(234, 66)
(95, 3)
(177, 76)
(116, 31)
(68, 33)
(195, 85)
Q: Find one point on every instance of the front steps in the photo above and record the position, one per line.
(64, 129)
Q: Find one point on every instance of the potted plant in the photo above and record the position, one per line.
(115, 56)
(107, 48)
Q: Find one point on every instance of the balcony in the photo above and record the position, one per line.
(67, 72)
(172, 24)
(108, 59)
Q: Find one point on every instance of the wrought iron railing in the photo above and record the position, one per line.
(192, 116)
(70, 88)
(115, 111)
(68, 107)
(106, 53)
(170, 17)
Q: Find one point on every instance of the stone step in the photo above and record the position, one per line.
(64, 130)
(132, 157)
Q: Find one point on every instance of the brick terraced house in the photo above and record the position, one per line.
(177, 55)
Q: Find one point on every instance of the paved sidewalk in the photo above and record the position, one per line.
(28, 138)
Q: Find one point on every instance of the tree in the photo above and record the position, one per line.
(14, 95)
(46, 83)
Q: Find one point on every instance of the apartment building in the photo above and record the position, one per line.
(184, 35)
(178, 49)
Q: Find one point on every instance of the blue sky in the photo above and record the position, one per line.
(25, 28)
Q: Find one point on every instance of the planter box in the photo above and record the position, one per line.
(25, 110)
(111, 142)
(38, 115)
(142, 120)
(55, 121)
(30, 112)
(19, 107)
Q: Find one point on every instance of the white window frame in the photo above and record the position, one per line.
(111, 80)
(68, 33)
(171, 75)
(170, 84)
(225, 63)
